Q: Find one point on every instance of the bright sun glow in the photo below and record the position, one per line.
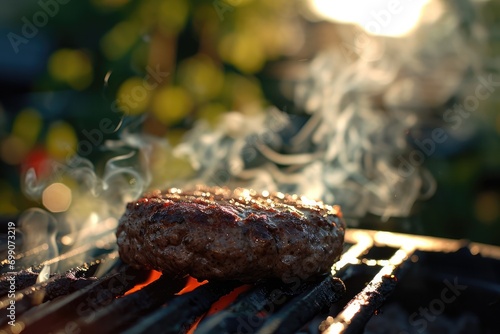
(393, 18)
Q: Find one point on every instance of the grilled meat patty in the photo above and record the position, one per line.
(218, 233)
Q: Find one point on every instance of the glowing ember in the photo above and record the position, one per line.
(227, 299)
(221, 304)
(153, 276)
(191, 284)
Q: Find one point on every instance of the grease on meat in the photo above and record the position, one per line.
(218, 233)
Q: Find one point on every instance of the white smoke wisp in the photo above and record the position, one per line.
(99, 195)
(361, 108)
(37, 228)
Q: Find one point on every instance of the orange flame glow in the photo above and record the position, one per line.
(221, 304)
(191, 284)
(227, 299)
(153, 276)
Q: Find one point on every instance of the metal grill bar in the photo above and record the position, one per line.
(243, 312)
(101, 238)
(59, 314)
(133, 305)
(29, 293)
(359, 310)
(304, 307)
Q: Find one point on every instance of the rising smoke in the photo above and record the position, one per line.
(361, 104)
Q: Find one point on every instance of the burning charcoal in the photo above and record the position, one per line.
(60, 286)
(248, 312)
(183, 311)
(82, 303)
(66, 285)
(244, 314)
(24, 279)
(134, 305)
(304, 307)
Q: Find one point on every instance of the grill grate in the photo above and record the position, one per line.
(372, 266)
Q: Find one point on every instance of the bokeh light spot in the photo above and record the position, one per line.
(61, 140)
(133, 96)
(171, 104)
(13, 150)
(57, 197)
(172, 15)
(27, 126)
(67, 240)
(119, 39)
(201, 77)
(72, 67)
(243, 50)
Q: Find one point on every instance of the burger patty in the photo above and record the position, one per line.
(223, 234)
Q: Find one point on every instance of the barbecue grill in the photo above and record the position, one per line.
(369, 102)
(104, 295)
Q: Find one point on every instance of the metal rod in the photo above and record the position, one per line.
(243, 311)
(110, 318)
(303, 308)
(247, 313)
(360, 309)
(62, 313)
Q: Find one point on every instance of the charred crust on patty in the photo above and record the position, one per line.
(217, 233)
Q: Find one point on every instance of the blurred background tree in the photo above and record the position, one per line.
(68, 65)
